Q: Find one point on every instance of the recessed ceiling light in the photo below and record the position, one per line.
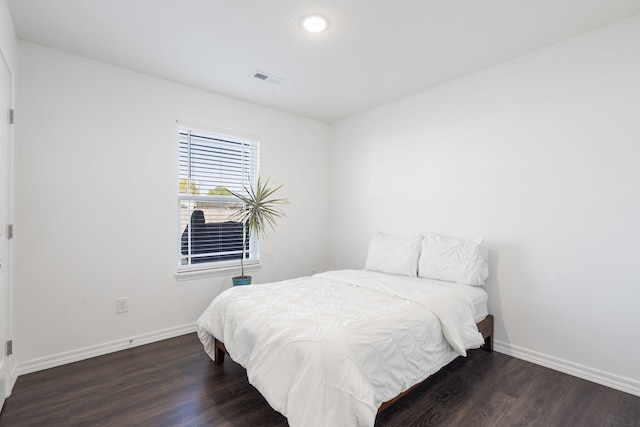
(314, 23)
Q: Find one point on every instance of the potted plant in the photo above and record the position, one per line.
(260, 213)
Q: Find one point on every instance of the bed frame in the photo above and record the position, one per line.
(485, 327)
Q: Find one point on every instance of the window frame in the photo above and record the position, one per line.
(252, 156)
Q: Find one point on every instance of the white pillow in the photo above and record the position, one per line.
(463, 261)
(394, 255)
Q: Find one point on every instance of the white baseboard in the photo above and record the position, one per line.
(101, 349)
(13, 377)
(580, 371)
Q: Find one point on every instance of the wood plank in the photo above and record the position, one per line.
(174, 383)
(623, 410)
(540, 400)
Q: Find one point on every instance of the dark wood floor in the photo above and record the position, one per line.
(173, 383)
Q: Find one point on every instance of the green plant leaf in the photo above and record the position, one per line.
(261, 209)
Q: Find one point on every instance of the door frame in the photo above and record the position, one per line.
(7, 367)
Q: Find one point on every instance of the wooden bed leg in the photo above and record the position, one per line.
(486, 329)
(220, 350)
(488, 344)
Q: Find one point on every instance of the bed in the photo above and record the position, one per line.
(335, 348)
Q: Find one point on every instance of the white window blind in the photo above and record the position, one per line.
(210, 166)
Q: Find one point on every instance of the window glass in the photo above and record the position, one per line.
(210, 168)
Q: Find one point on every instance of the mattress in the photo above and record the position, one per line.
(476, 294)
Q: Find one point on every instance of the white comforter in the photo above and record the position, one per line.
(328, 350)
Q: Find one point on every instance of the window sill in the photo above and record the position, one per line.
(200, 273)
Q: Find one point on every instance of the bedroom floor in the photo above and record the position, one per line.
(173, 383)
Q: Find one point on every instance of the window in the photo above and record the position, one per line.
(210, 167)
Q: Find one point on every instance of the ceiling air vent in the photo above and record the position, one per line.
(267, 77)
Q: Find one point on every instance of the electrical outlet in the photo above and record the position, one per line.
(122, 305)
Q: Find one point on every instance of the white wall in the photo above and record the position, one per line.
(97, 210)
(7, 35)
(539, 155)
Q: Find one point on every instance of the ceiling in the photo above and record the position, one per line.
(374, 52)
